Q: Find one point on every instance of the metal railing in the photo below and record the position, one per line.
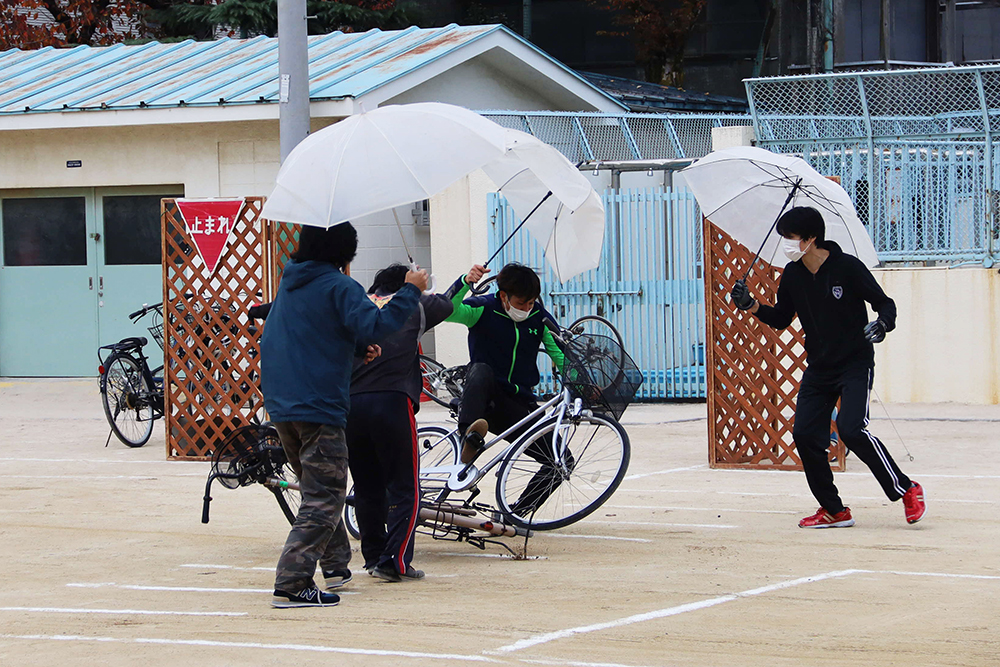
(587, 137)
(914, 149)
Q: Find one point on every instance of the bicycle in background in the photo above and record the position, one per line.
(131, 392)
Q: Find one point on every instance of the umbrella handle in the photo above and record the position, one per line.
(774, 224)
(431, 281)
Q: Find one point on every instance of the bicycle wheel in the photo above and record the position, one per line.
(288, 499)
(433, 382)
(351, 517)
(596, 325)
(125, 394)
(534, 492)
(438, 446)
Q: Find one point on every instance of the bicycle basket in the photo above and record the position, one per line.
(244, 457)
(599, 371)
(156, 331)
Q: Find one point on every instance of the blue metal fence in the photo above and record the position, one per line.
(650, 284)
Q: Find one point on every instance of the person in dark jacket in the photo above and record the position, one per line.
(828, 289)
(318, 322)
(382, 433)
(506, 332)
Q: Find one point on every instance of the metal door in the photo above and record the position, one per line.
(76, 262)
(48, 290)
(649, 284)
(129, 268)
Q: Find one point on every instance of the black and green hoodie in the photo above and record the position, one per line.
(510, 348)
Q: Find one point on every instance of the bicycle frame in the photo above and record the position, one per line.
(462, 477)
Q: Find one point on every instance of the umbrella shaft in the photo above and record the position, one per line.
(507, 240)
(774, 224)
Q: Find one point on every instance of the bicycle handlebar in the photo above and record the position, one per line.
(145, 309)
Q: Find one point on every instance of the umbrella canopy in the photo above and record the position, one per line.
(557, 203)
(376, 160)
(743, 190)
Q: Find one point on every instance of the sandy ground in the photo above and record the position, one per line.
(106, 561)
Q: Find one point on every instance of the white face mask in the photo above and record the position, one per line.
(792, 249)
(514, 313)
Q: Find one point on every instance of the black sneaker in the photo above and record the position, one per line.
(310, 597)
(337, 578)
(389, 573)
(474, 441)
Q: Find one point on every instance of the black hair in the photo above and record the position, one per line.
(520, 281)
(337, 245)
(390, 279)
(803, 221)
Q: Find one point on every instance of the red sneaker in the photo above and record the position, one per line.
(913, 503)
(823, 519)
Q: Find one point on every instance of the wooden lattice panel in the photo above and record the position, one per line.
(282, 240)
(753, 370)
(211, 357)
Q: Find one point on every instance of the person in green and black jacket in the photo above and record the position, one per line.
(506, 332)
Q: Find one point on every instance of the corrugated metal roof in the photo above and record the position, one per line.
(227, 71)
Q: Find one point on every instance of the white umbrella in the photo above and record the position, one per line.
(744, 190)
(555, 202)
(376, 160)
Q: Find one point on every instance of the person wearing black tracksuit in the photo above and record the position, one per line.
(382, 434)
(828, 289)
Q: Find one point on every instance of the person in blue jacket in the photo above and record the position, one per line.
(506, 332)
(320, 320)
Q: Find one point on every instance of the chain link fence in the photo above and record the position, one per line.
(915, 150)
(609, 137)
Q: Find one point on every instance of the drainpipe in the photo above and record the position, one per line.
(293, 75)
(526, 19)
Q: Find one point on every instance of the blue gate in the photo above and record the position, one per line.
(650, 284)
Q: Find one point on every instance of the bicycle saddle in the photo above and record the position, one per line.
(131, 343)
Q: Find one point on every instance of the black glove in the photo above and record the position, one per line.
(741, 296)
(875, 331)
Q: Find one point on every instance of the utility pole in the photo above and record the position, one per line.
(948, 51)
(886, 32)
(293, 74)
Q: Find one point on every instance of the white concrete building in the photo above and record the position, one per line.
(91, 138)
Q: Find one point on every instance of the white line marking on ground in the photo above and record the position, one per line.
(573, 663)
(503, 556)
(669, 611)
(689, 492)
(663, 472)
(227, 567)
(989, 577)
(667, 525)
(851, 474)
(36, 460)
(189, 589)
(253, 645)
(129, 612)
(600, 537)
(698, 509)
(88, 477)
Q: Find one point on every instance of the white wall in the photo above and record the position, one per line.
(946, 346)
(459, 238)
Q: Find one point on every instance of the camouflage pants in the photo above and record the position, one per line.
(317, 453)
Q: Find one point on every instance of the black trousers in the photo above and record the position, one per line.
(384, 462)
(483, 397)
(817, 397)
